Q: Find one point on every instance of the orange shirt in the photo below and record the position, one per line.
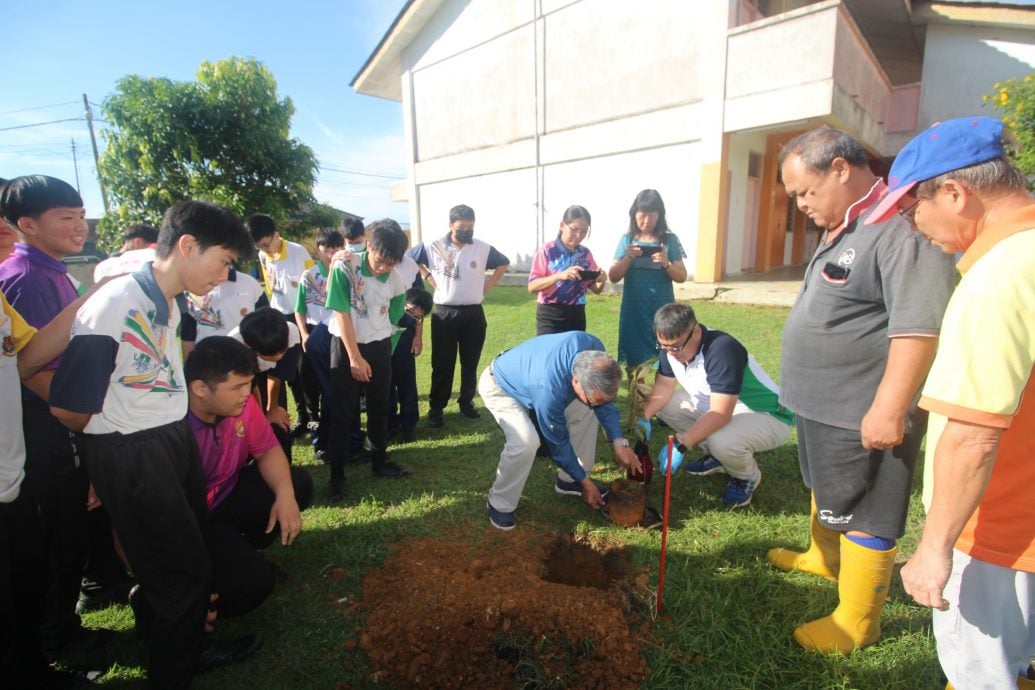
(983, 375)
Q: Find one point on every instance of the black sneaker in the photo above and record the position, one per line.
(389, 470)
(435, 419)
(97, 598)
(470, 412)
(223, 653)
(501, 520)
(575, 488)
(85, 642)
(336, 490)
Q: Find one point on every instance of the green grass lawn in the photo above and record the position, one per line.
(728, 615)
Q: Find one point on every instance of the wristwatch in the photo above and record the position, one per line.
(681, 447)
(620, 442)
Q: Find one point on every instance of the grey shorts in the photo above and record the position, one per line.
(858, 489)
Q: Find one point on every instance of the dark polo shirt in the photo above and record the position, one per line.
(872, 283)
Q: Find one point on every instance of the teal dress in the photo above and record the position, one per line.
(647, 288)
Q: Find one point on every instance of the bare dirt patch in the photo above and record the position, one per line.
(522, 610)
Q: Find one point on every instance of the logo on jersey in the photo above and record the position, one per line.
(154, 371)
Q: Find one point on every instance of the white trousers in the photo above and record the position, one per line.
(735, 444)
(987, 637)
(521, 441)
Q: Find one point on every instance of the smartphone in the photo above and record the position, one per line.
(587, 274)
(649, 249)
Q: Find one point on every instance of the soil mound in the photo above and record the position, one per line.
(448, 615)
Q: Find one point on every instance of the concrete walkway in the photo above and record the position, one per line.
(777, 288)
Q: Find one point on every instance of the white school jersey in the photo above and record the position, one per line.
(282, 273)
(294, 338)
(367, 298)
(126, 262)
(459, 272)
(220, 310)
(407, 270)
(124, 364)
(312, 294)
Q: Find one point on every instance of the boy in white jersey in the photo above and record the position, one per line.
(313, 317)
(121, 387)
(367, 297)
(283, 263)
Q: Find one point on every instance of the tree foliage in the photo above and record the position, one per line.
(1014, 99)
(223, 138)
(311, 216)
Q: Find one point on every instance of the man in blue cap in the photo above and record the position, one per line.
(975, 563)
(569, 383)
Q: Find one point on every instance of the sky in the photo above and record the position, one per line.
(313, 48)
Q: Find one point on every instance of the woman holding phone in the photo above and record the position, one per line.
(649, 258)
(562, 271)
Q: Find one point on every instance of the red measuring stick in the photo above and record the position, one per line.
(664, 523)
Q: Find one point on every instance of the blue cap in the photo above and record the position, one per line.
(944, 147)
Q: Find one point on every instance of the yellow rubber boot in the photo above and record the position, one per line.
(862, 588)
(823, 557)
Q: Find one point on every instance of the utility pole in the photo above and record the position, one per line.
(96, 157)
(75, 164)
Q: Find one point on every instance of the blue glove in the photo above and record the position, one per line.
(645, 427)
(677, 459)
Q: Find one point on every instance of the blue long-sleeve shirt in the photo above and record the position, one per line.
(538, 373)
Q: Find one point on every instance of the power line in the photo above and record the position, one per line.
(39, 107)
(362, 172)
(343, 183)
(40, 124)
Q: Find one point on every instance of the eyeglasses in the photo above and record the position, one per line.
(909, 212)
(583, 397)
(673, 349)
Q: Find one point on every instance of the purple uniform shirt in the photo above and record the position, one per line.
(37, 286)
(228, 445)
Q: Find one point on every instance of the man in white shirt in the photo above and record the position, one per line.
(455, 265)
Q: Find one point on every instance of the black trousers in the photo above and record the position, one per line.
(56, 480)
(455, 330)
(347, 390)
(402, 400)
(240, 575)
(152, 485)
(307, 407)
(23, 585)
(559, 318)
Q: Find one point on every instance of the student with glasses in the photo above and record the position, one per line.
(562, 271)
(724, 402)
(974, 565)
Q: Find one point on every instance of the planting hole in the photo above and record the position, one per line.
(576, 563)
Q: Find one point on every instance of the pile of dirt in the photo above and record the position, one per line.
(518, 610)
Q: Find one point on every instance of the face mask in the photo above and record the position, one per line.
(465, 236)
(356, 248)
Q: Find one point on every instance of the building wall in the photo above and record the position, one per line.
(961, 63)
(505, 203)
(588, 104)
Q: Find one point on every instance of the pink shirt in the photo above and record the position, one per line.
(228, 445)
